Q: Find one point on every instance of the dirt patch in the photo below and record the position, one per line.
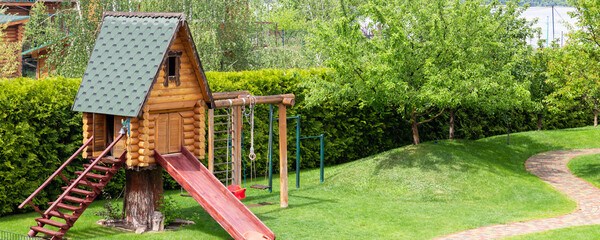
(123, 226)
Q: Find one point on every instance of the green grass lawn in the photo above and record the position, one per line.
(413, 192)
(588, 168)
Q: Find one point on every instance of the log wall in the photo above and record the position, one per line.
(88, 131)
(132, 143)
(200, 130)
(147, 125)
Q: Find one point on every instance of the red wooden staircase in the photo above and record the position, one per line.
(77, 195)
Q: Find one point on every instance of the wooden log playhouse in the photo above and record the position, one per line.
(144, 99)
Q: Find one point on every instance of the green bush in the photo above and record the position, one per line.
(38, 132)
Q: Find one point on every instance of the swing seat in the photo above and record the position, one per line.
(261, 187)
(238, 192)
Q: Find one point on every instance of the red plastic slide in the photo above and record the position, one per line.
(208, 191)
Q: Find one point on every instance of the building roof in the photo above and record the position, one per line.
(125, 62)
(12, 19)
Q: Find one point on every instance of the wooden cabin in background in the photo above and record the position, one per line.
(17, 14)
(23, 7)
(144, 72)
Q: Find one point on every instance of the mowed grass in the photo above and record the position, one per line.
(413, 192)
(588, 168)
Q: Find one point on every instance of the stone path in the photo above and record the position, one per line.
(551, 167)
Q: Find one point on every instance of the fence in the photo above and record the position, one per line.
(13, 236)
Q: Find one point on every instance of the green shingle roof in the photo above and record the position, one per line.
(11, 18)
(126, 58)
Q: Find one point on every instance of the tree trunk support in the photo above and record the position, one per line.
(595, 117)
(540, 118)
(144, 189)
(451, 128)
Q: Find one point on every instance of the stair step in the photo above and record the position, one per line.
(224, 171)
(218, 124)
(80, 191)
(93, 175)
(74, 199)
(89, 184)
(47, 231)
(52, 223)
(223, 115)
(109, 160)
(221, 140)
(217, 148)
(66, 206)
(99, 168)
(62, 215)
(223, 131)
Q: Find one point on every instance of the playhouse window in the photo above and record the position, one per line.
(172, 68)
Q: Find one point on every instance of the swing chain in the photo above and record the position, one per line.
(250, 121)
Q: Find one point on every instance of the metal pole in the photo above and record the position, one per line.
(298, 152)
(553, 23)
(270, 148)
(322, 156)
(547, 31)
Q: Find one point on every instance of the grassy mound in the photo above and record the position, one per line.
(413, 192)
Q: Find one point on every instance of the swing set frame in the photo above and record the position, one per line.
(236, 100)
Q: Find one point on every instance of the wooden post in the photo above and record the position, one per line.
(237, 148)
(211, 140)
(283, 156)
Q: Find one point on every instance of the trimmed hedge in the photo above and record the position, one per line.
(38, 131)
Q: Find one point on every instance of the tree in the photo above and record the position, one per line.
(9, 53)
(223, 31)
(574, 72)
(421, 56)
(482, 49)
(575, 69)
(540, 88)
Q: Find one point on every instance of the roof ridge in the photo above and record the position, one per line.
(179, 15)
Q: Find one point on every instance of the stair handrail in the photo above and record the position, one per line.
(58, 171)
(86, 171)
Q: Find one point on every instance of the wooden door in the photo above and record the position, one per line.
(169, 135)
(119, 148)
(175, 132)
(99, 134)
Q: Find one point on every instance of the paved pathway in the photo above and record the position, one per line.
(552, 168)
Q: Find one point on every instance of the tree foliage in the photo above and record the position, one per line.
(224, 32)
(424, 56)
(574, 68)
(541, 3)
(229, 35)
(9, 53)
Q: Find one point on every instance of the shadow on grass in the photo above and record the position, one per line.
(96, 231)
(307, 201)
(465, 156)
(589, 170)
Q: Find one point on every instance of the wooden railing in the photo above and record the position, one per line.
(82, 176)
(56, 173)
